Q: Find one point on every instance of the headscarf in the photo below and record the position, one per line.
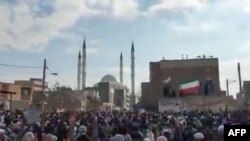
(82, 130)
(198, 136)
(29, 136)
(2, 134)
(221, 130)
(162, 138)
(150, 135)
(168, 133)
(2, 131)
(117, 137)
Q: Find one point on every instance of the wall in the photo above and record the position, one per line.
(215, 103)
(17, 102)
(120, 98)
(7, 87)
(178, 71)
(246, 87)
(104, 91)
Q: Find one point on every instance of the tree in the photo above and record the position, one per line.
(58, 87)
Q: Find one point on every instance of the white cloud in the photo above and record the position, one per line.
(244, 48)
(176, 5)
(246, 6)
(228, 70)
(75, 50)
(92, 51)
(125, 9)
(194, 26)
(94, 42)
(21, 29)
(122, 9)
(76, 44)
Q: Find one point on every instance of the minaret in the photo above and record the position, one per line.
(84, 65)
(121, 69)
(79, 71)
(133, 75)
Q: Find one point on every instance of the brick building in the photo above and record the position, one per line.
(202, 69)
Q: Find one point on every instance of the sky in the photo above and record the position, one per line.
(32, 30)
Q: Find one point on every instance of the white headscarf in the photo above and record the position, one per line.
(29, 136)
(199, 136)
(162, 138)
(2, 134)
(221, 129)
(117, 137)
(81, 131)
(2, 131)
(150, 135)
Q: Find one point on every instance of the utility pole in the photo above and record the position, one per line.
(121, 69)
(133, 100)
(43, 85)
(227, 83)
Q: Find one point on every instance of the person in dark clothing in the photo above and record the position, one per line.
(83, 138)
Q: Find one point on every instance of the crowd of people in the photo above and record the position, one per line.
(119, 126)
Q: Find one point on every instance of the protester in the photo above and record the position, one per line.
(119, 126)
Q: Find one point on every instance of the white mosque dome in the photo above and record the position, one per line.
(108, 78)
(112, 81)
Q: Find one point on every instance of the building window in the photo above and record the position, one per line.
(25, 93)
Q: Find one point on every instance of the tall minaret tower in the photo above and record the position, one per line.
(133, 75)
(84, 65)
(79, 71)
(121, 69)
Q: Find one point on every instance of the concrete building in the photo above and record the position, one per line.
(246, 88)
(91, 93)
(20, 94)
(112, 92)
(35, 83)
(31, 89)
(9, 94)
(176, 71)
(67, 99)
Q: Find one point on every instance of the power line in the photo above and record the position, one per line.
(58, 76)
(17, 66)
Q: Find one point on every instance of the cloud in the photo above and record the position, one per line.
(94, 42)
(27, 26)
(125, 9)
(92, 51)
(76, 44)
(121, 9)
(228, 70)
(246, 6)
(205, 27)
(23, 31)
(244, 48)
(176, 5)
(75, 50)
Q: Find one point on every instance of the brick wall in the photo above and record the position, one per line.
(178, 71)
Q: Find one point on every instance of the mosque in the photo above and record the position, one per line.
(112, 93)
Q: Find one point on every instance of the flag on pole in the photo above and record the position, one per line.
(190, 87)
(167, 80)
